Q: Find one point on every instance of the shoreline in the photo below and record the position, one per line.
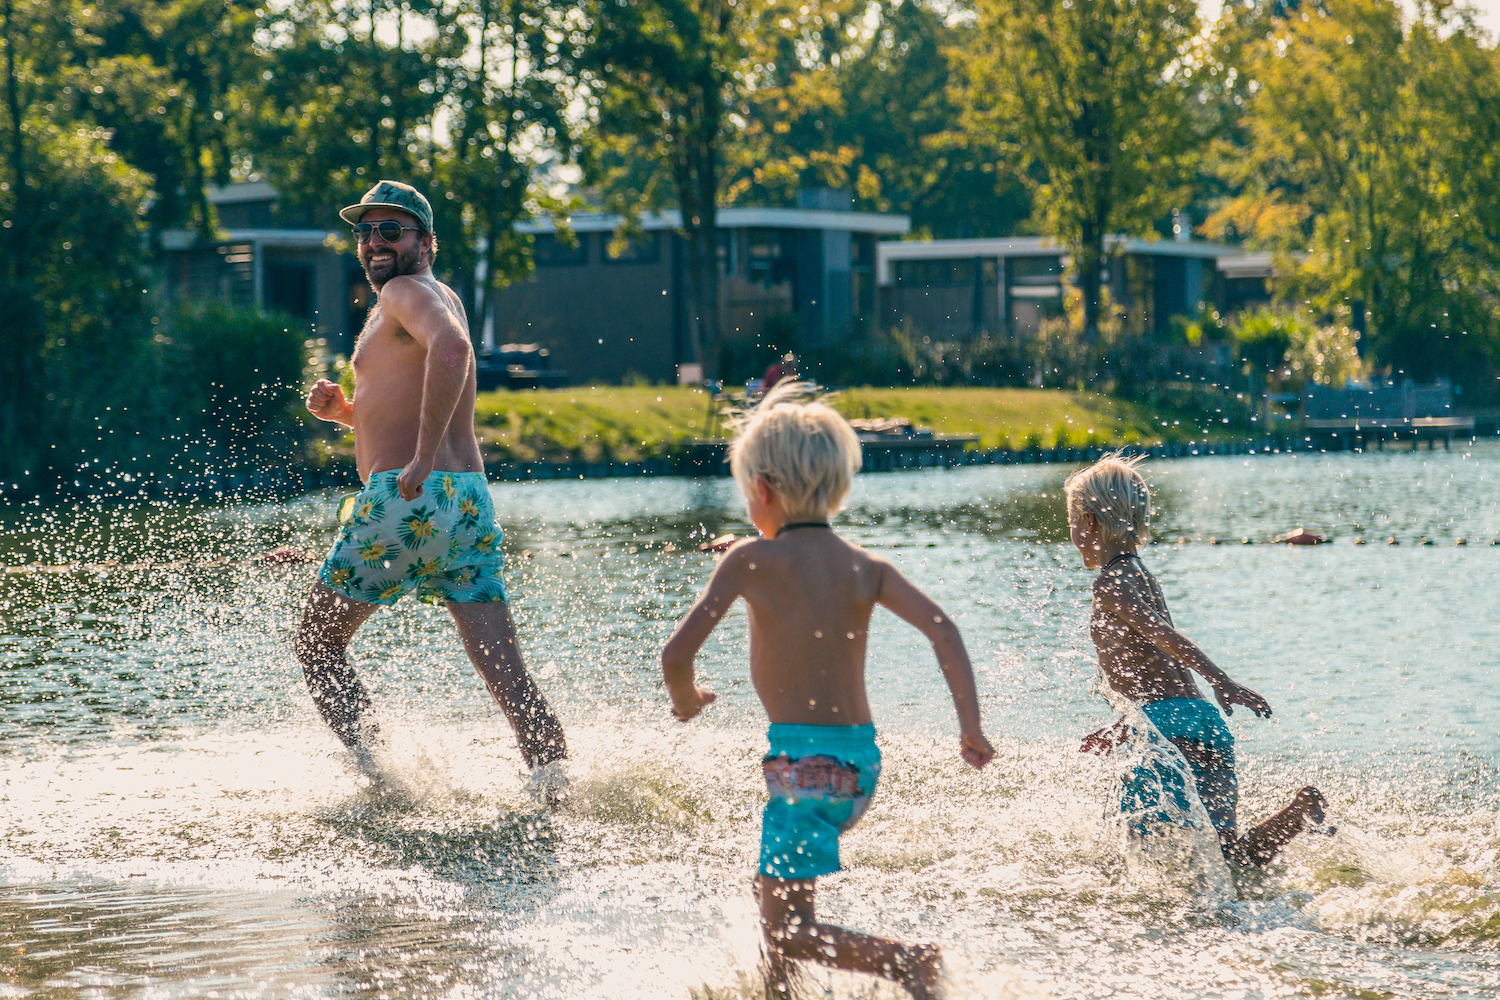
(696, 459)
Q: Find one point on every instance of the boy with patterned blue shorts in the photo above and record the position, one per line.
(1144, 659)
(810, 596)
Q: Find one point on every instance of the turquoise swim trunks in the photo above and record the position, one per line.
(442, 546)
(820, 779)
(1157, 780)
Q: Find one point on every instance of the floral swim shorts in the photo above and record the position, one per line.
(442, 546)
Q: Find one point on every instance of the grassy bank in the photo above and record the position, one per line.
(630, 423)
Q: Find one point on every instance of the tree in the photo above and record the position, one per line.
(335, 106)
(1096, 99)
(1373, 148)
(73, 280)
(661, 77)
(505, 100)
(864, 105)
(158, 74)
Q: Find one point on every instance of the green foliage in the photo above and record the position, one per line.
(1369, 136)
(1097, 101)
(238, 372)
(1328, 355)
(862, 103)
(1207, 326)
(1263, 336)
(1296, 350)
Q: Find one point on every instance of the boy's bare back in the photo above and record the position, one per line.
(810, 596)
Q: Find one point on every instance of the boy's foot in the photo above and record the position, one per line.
(547, 785)
(1313, 806)
(922, 971)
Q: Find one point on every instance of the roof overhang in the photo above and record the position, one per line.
(289, 239)
(739, 218)
(1036, 246)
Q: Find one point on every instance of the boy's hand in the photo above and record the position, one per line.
(1232, 694)
(1101, 740)
(975, 750)
(683, 709)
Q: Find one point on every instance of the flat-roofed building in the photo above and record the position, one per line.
(608, 309)
(266, 258)
(955, 289)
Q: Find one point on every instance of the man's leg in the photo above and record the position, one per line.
(489, 637)
(329, 621)
(792, 931)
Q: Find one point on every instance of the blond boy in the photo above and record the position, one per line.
(810, 595)
(1144, 658)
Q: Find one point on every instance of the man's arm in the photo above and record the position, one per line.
(1124, 604)
(421, 312)
(901, 596)
(677, 656)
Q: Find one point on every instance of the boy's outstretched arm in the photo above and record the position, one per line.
(677, 656)
(1145, 620)
(907, 602)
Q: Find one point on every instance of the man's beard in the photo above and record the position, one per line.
(405, 262)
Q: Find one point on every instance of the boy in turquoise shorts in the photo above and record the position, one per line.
(1145, 659)
(810, 595)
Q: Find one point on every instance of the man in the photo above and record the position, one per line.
(424, 523)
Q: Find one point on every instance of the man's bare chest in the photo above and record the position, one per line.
(383, 343)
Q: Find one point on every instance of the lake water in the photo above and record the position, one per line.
(176, 821)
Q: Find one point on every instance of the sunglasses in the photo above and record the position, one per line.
(390, 231)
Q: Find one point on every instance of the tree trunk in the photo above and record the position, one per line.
(697, 181)
(19, 236)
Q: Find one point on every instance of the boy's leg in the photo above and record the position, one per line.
(1263, 843)
(489, 637)
(792, 931)
(1219, 791)
(329, 621)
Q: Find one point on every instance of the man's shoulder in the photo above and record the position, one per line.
(404, 288)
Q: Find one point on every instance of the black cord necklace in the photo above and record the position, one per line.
(1122, 555)
(801, 524)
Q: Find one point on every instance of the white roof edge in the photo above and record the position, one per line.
(182, 239)
(1019, 246)
(243, 191)
(739, 218)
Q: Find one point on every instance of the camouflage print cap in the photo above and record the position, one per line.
(392, 194)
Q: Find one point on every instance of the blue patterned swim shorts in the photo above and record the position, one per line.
(820, 779)
(443, 546)
(1159, 781)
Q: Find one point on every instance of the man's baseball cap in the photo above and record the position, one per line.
(392, 194)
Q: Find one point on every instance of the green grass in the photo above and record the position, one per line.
(594, 424)
(630, 423)
(1019, 418)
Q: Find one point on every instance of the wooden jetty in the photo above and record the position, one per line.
(1359, 432)
(1354, 417)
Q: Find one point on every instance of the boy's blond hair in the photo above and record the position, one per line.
(806, 452)
(1116, 494)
